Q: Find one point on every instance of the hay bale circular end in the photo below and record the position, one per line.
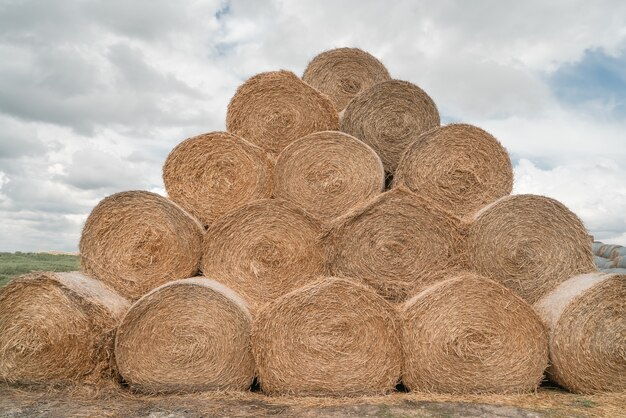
(395, 243)
(213, 173)
(333, 337)
(467, 334)
(389, 117)
(528, 243)
(460, 167)
(343, 73)
(57, 328)
(264, 250)
(586, 317)
(273, 109)
(185, 336)
(135, 241)
(327, 173)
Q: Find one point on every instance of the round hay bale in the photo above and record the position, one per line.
(389, 117)
(606, 250)
(586, 318)
(264, 250)
(343, 73)
(333, 337)
(57, 328)
(214, 173)
(185, 336)
(619, 262)
(274, 109)
(135, 241)
(619, 251)
(468, 334)
(460, 167)
(395, 243)
(528, 243)
(595, 248)
(327, 173)
(602, 263)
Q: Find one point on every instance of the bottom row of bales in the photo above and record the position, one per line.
(337, 337)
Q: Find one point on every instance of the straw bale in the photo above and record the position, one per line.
(327, 173)
(333, 337)
(343, 73)
(214, 173)
(185, 336)
(460, 167)
(273, 109)
(135, 241)
(57, 328)
(468, 334)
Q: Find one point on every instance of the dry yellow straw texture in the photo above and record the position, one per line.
(57, 327)
(396, 242)
(586, 317)
(264, 250)
(187, 335)
(460, 167)
(273, 109)
(343, 73)
(469, 335)
(389, 117)
(135, 241)
(333, 337)
(213, 173)
(327, 173)
(528, 243)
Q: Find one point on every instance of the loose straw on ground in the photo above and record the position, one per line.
(396, 243)
(274, 109)
(343, 73)
(327, 173)
(135, 241)
(586, 317)
(460, 167)
(213, 173)
(529, 243)
(264, 250)
(389, 117)
(468, 334)
(185, 336)
(333, 337)
(57, 328)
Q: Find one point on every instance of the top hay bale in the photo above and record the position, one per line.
(343, 73)
(528, 243)
(586, 318)
(460, 167)
(327, 173)
(389, 117)
(214, 173)
(273, 109)
(57, 327)
(135, 241)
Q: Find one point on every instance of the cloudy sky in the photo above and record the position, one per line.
(95, 93)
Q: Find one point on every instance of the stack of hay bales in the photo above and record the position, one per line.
(280, 255)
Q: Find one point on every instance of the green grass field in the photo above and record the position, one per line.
(15, 264)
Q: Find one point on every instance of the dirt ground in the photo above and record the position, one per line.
(86, 402)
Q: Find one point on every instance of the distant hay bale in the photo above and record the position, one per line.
(619, 262)
(185, 336)
(327, 173)
(395, 243)
(468, 334)
(606, 250)
(618, 251)
(264, 250)
(586, 317)
(333, 337)
(213, 173)
(595, 248)
(389, 117)
(343, 73)
(274, 109)
(57, 328)
(460, 167)
(528, 243)
(135, 241)
(602, 263)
